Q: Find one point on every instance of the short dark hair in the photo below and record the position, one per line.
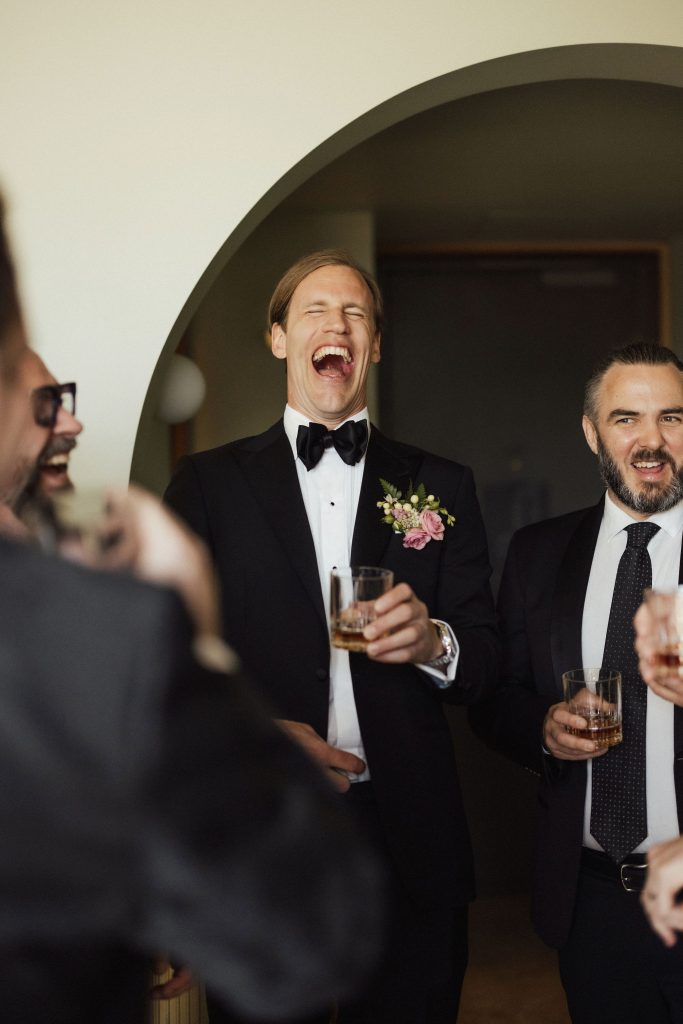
(641, 354)
(278, 307)
(9, 301)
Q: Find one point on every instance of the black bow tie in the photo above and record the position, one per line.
(350, 441)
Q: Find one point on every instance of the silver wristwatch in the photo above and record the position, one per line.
(448, 655)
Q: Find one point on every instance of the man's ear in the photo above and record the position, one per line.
(278, 342)
(591, 434)
(375, 354)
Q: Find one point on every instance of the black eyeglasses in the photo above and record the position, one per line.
(48, 400)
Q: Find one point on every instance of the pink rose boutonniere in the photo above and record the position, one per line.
(418, 515)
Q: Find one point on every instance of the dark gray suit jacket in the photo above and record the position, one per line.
(149, 805)
(244, 499)
(540, 605)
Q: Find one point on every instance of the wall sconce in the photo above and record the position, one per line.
(182, 391)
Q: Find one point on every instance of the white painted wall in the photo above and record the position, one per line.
(246, 385)
(137, 135)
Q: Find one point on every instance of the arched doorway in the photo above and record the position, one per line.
(327, 200)
(619, 63)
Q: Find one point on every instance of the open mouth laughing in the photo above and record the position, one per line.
(54, 462)
(334, 362)
(56, 467)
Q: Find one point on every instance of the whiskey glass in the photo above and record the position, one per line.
(595, 694)
(353, 592)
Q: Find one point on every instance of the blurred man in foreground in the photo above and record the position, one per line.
(147, 803)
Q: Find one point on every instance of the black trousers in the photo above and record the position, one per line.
(69, 983)
(421, 972)
(614, 969)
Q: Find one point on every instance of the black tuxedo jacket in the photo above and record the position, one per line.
(244, 499)
(149, 805)
(541, 610)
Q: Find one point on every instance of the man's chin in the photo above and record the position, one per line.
(649, 498)
(649, 483)
(50, 484)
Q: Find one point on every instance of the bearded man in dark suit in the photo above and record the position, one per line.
(308, 490)
(147, 802)
(569, 591)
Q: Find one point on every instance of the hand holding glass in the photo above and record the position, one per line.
(666, 631)
(353, 592)
(595, 694)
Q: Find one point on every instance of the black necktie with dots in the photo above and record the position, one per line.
(618, 808)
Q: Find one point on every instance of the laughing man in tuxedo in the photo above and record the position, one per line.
(279, 511)
(569, 592)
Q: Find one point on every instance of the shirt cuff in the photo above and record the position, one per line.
(442, 678)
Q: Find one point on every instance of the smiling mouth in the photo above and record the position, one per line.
(56, 467)
(652, 464)
(333, 361)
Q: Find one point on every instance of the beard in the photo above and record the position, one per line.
(21, 482)
(651, 497)
(33, 493)
(29, 489)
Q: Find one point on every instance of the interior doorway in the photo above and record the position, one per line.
(487, 353)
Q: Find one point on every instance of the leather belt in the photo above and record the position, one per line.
(630, 874)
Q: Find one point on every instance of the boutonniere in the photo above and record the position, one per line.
(417, 515)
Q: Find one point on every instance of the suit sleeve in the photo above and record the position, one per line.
(464, 600)
(254, 875)
(511, 719)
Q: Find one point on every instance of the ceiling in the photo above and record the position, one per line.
(581, 159)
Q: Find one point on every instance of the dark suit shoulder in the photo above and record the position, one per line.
(62, 592)
(412, 454)
(555, 530)
(211, 457)
(18, 559)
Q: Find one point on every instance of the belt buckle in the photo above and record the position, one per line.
(632, 885)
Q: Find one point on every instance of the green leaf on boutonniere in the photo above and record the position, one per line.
(390, 489)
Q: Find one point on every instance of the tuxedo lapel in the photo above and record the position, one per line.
(570, 594)
(271, 472)
(370, 534)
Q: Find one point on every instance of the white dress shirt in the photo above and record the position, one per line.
(330, 492)
(665, 553)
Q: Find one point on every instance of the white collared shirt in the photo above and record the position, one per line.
(330, 492)
(665, 553)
